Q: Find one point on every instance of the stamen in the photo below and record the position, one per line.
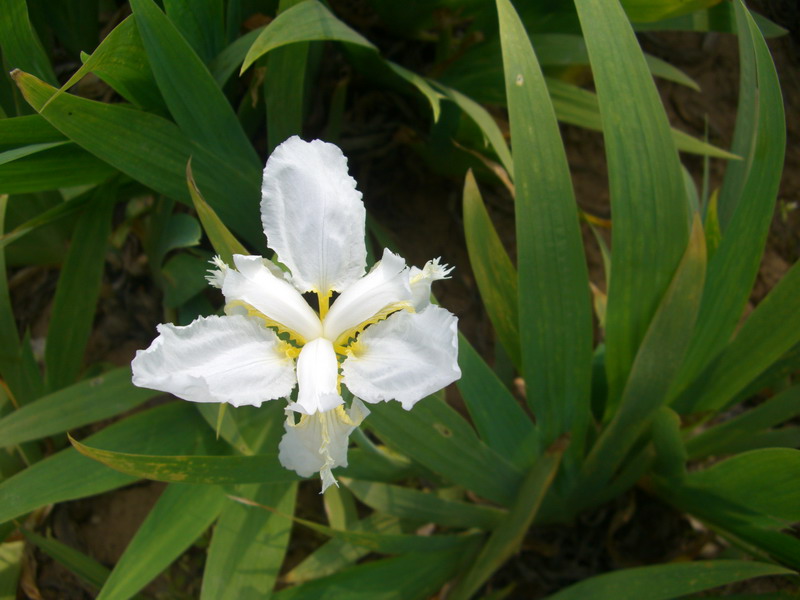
(324, 303)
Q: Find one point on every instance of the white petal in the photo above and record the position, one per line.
(255, 284)
(318, 443)
(386, 286)
(217, 359)
(406, 357)
(318, 378)
(421, 280)
(313, 215)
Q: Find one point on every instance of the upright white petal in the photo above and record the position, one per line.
(405, 358)
(421, 280)
(385, 286)
(313, 215)
(217, 359)
(317, 377)
(318, 443)
(255, 284)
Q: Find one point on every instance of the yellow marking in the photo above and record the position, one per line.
(280, 327)
(382, 314)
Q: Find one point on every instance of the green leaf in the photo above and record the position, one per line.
(153, 151)
(17, 153)
(655, 10)
(49, 216)
(664, 582)
(195, 101)
(248, 545)
(484, 121)
(671, 455)
(502, 422)
(494, 273)
(305, 22)
(181, 514)
(30, 129)
(416, 505)
(555, 313)
(746, 202)
(261, 468)
(762, 480)
(79, 404)
(184, 277)
(648, 205)
(772, 329)
(578, 106)
(21, 375)
(561, 49)
(223, 241)
(227, 61)
(658, 359)
(21, 46)
(335, 554)
(201, 23)
(774, 411)
(434, 435)
(77, 562)
(78, 290)
(121, 61)
(378, 542)
(387, 579)
(64, 165)
(67, 475)
(506, 539)
(10, 568)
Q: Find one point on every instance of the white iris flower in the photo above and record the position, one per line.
(380, 337)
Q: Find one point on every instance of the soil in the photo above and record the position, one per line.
(421, 211)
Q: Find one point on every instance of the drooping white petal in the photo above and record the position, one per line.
(217, 359)
(406, 357)
(317, 377)
(421, 280)
(313, 216)
(385, 286)
(318, 443)
(255, 284)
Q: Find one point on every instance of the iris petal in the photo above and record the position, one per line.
(406, 357)
(255, 284)
(217, 359)
(313, 216)
(385, 287)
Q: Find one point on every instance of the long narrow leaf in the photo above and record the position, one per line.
(657, 362)
(67, 475)
(494, 273)
(771, 330)
(248, 545)
(554, 302)
(437, 437)
(195, 101)
(78, 290)
(21, 46)
(180, 515)
(421, 506)
(79, 404)
(387, 579)
(151, 150)
(262, 468)
(501, 421)
(761, 139)
(664, 582)
(648, 205)
(506, 538)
